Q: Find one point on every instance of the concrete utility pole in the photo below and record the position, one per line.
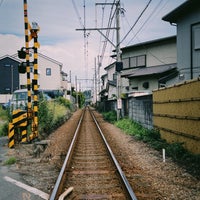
(118, 52)
(117, 49)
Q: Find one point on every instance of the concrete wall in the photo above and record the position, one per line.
(140, 110)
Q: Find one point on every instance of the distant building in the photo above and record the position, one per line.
(150, 65)
(9, 76)
(146, 66)
(187, 19)
(50, 75)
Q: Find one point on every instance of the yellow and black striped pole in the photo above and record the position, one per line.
(35, 85)
(11, 131)
(27, 38)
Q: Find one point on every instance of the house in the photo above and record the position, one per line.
(50, 75)
(146, 66)
(187, 19)
(9, 77)
(150, 65)
(176, 108)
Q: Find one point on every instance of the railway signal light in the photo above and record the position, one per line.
(22, 68)
(22, 53)
(119, 66)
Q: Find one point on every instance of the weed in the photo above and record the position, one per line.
(174, 150)
(10, 161)
(110, 116)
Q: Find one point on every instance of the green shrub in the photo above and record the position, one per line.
(174, 150)
(110, 116)
(64, 102)
(45, 117)
(4, 129)
(52, 114)
(10, 161)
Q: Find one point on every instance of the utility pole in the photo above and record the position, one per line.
(119, 64)
(119, 101)
(95, 81)
(99, 78)
(76, 91)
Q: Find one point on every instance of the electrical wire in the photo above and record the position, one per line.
(102, 20)
(136, 20)
(77, 13)
(1, 2)
(148, 18)
(151, 14)
(111, 17)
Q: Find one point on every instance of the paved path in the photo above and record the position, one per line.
(11, 183)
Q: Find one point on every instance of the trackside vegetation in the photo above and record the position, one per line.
(51, 115)
(4, 118)
(152, 137)
(10, 161)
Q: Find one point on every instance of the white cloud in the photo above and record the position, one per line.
(58, 21)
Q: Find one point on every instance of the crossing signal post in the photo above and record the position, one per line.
(22, 119)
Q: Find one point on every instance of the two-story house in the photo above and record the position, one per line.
(9, 76)
(50, 75)
(150, 65)
(146, 66)
(187, 19)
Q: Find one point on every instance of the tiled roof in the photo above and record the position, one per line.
(146, 71)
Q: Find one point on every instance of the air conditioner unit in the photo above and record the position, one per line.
(145, 85)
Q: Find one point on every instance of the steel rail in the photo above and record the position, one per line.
(60, 176)
(119, 170)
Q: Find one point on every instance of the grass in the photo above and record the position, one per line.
(176, 151)
(4, 118)
(10, 161)
(110, 116)
(51, 115)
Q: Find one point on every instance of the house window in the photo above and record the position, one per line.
(125, 63)
(138, 61)
(48, 71)
(115, 77)
(197, 38)
(133, 62)
(141, 61)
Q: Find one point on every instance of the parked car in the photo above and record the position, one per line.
(6, 106)
(19, 99)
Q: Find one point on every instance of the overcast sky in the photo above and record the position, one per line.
(59, 19)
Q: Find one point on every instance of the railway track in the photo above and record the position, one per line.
(90, 170)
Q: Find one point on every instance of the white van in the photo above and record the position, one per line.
(19, 100)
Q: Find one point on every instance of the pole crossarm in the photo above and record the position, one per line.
(102, 4)
(95, 29)
(100, 31)
(84, 79)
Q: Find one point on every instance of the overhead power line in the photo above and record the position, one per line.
(77, 13)
(1, 2)
(111, 17)
(136, 20)
(148, 18)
